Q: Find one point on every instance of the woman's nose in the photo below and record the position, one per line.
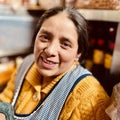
(51, 49)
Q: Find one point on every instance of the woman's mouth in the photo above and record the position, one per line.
(48, 63)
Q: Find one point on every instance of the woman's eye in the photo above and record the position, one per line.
(66, 44)
(43, 37)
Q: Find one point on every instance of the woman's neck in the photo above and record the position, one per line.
(45, 81)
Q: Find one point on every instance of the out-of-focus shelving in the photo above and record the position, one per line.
(109, 16)
(92, 14)
(89, 14)
(4, 53)
(16, 32)
(102, 15)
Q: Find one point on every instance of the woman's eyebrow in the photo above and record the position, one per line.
(45, 31)
(66, 39)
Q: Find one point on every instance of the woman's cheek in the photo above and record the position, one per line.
(67, 57)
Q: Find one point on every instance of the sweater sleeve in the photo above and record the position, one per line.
(87, 101)
(7, 94)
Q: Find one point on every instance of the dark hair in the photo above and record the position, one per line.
(78, 20)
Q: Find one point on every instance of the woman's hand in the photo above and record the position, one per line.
(6, 111)
(2, 116)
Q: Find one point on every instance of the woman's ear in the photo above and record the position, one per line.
(78, 56)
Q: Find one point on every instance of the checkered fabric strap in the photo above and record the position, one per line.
(27, 62)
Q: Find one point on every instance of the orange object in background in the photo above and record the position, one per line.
(6, 69)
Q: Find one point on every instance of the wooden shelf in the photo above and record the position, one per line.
(4, 53)
(33, 7)
(102, 15)
(92, 14)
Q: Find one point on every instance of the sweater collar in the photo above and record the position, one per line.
(34, 78)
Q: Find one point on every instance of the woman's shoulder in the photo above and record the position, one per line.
(87, 96)
(87, 83)
(90, 86)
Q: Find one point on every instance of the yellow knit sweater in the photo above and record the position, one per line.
(87, 101)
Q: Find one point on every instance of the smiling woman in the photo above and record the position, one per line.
(54, 44)
(51, 84)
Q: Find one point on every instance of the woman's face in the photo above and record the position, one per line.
(56, 45)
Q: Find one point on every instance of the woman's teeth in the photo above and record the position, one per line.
(48, 62)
